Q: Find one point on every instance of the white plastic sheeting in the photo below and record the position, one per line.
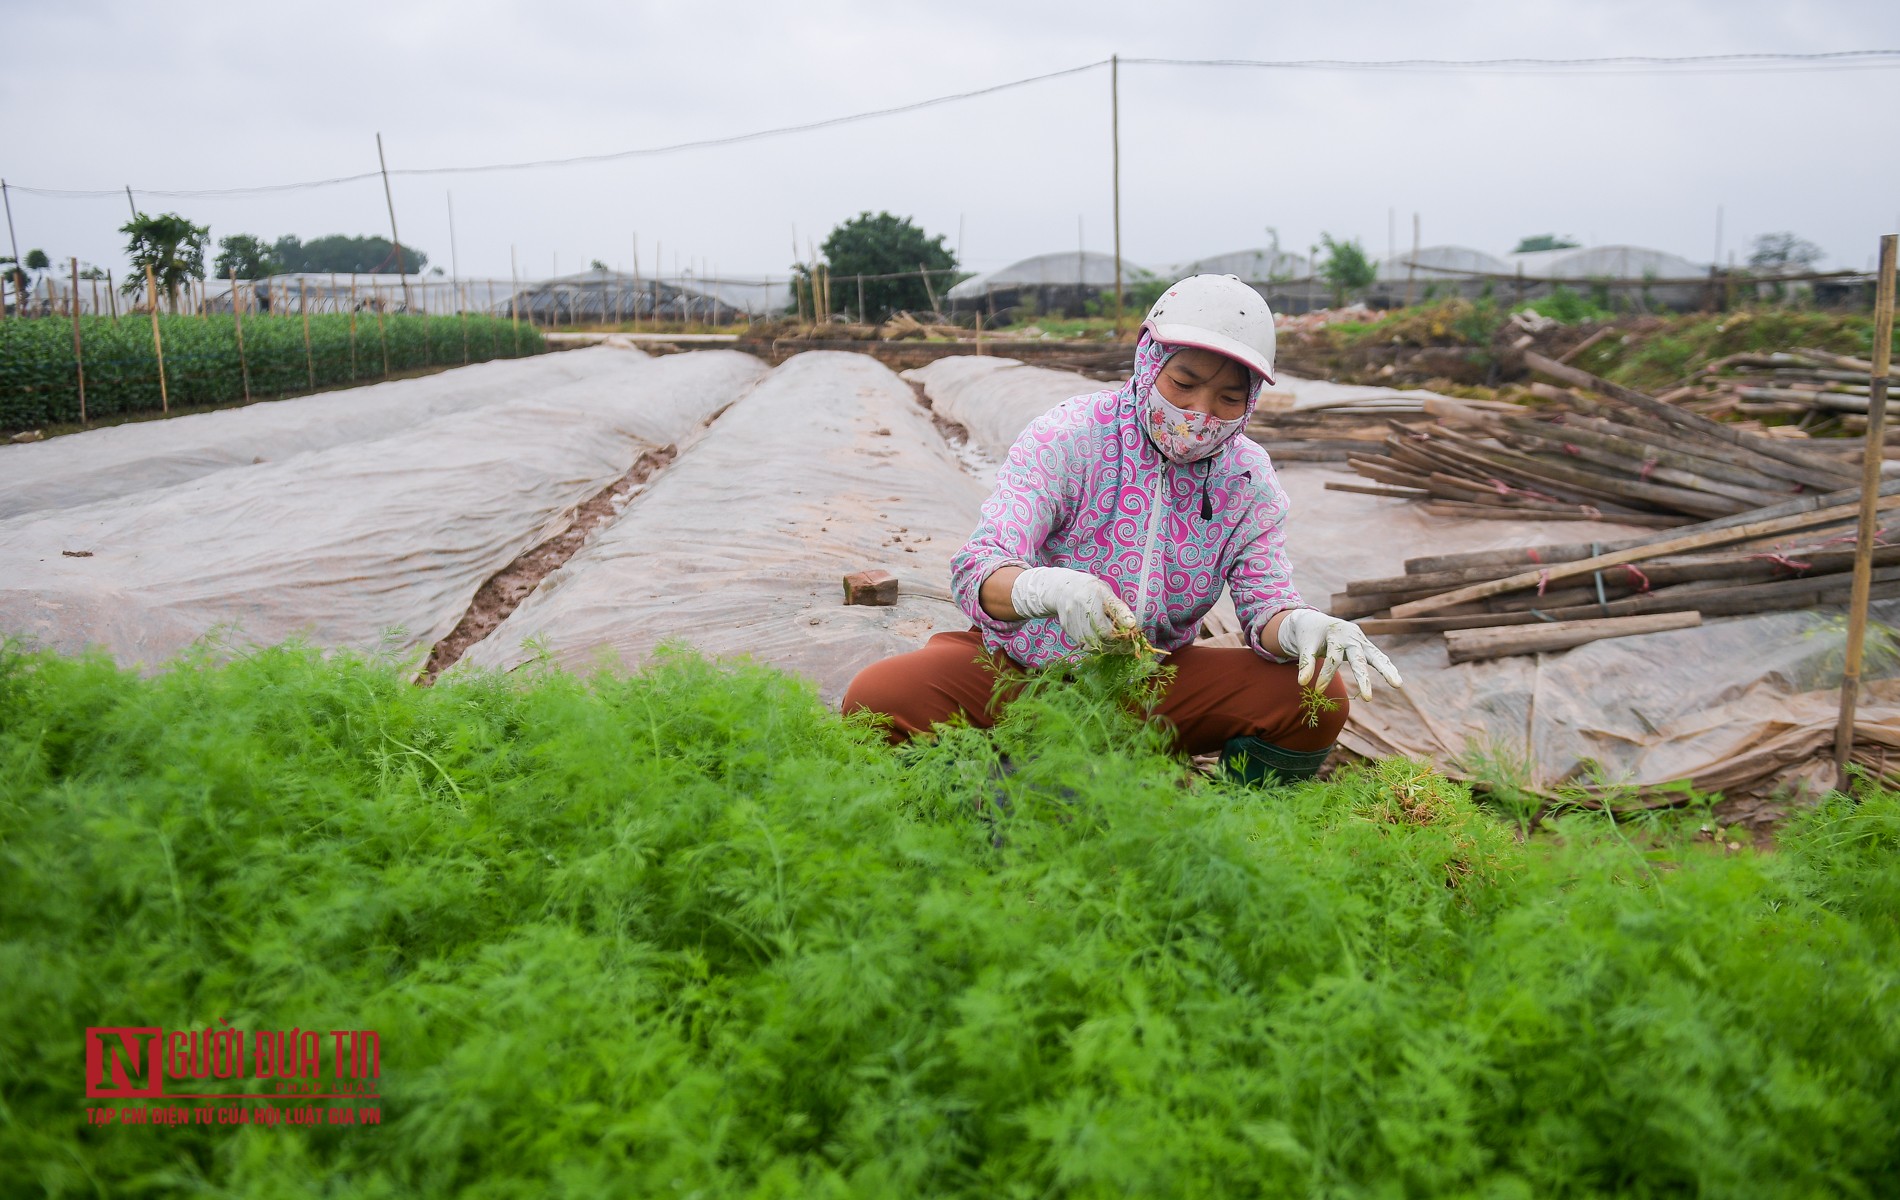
(1606, 262)
(376, 544)
(1441, 262)
(122, 459)
(1737, 702)
(1061, 269)
(996, 398)
(828, 466)
(1261, 265)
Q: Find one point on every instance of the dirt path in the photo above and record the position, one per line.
(505, 591)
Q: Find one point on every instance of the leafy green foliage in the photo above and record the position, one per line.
(39, 386)
(1660, 353)
(1782, 252)
(885, 245)
(1569, 307)
(170, 245)
(1543, 241)
(36, 260)
(689, 933)
(1346, 269)
(249, 256)
(343, 255)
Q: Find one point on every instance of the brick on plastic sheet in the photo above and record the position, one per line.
(870, 587)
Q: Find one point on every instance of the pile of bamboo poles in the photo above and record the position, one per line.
(1333, 431)
(1628, 457)
(1793, 555)
(1810, 384)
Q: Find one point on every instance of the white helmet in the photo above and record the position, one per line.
(1218, 313)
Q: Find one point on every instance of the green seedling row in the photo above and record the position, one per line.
(39, 380)
(688, 933)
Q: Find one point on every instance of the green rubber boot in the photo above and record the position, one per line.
(1263, 764)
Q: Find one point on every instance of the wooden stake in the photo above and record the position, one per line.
(382, 331)
(158, 341)
(309, 361)
(352, 325)
(79, 354)
(1871, 459)
(514, 313)
(462, 302)
(112, 296)
(237, 316)
(1411, 266)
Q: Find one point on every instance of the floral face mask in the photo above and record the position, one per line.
(1185, 436)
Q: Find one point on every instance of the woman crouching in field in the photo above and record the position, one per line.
(1131, 509)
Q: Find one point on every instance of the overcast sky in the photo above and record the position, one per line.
(212, 95)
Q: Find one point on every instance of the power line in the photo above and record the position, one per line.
(610, 156)
(1617, 64)
(1831, 60)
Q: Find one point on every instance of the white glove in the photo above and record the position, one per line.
(1089, 609)
(1306, 632)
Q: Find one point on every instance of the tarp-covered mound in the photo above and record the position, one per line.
(828, 466)
(373, 544)
(122, 459)
(995, 398)
(1735, 703)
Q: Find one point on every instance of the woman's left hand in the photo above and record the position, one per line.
(1307, 634)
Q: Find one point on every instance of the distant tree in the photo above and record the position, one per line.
(1346, 267)
(343, 255)
(1544, 241)
(93, 273)
(172, 246)
(1782, 252)
(36, 260)
(885, 245)
(246, 255)
(596, 265)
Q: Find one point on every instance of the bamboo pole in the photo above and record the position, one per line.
(1586, 566)
(1871, 460)
(79, 354)
(112, 296)
(309, 361)
(158, 341)
(1806, 466)
(1477, 645)
(1115, 142)
(352, 326)
(462, 304)
(394, 237)
(237, 317)
(514, 313)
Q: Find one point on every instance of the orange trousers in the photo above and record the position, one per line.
(1218, 693)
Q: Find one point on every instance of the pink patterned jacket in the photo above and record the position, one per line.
(1086, 488)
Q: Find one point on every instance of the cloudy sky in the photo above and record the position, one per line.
(227, 95)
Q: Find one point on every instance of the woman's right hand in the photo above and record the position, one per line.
(1089, 610)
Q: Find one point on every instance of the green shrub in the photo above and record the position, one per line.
(686, 932)
(39, 386)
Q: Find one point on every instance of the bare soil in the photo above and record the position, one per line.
(505, 591)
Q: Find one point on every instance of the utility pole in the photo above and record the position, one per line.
(390, 199)
(1115, 138)
(19, 268)
(129, 202)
